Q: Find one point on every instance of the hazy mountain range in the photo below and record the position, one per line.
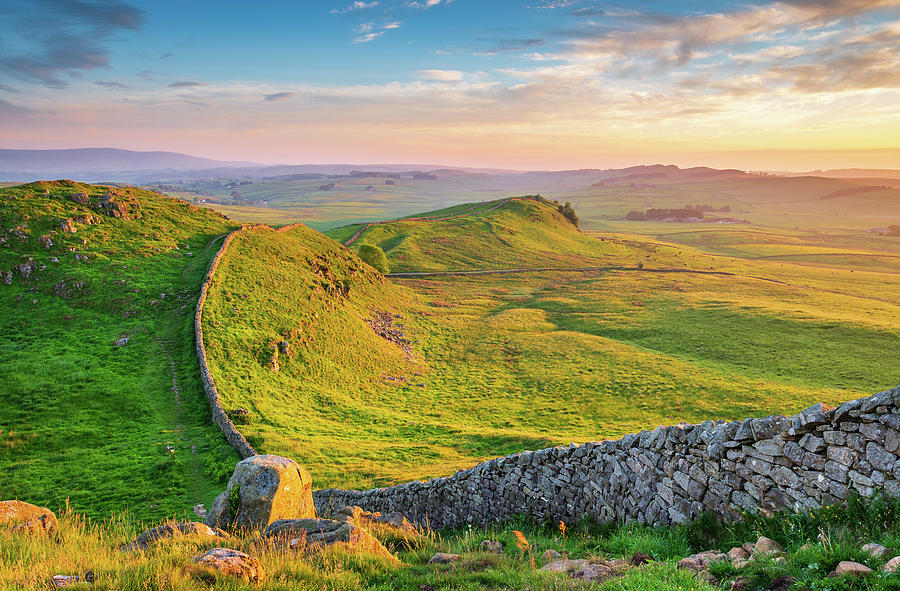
(116, 165)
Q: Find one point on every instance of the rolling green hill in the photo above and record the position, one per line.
(500, 363)
(82, 418)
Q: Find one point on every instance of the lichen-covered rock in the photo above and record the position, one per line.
(875, 550)
(394, 519)
(67, 226)
(767, 547)
(23, 517)
(892, 565)
(564, 566)
(492, 546)
(848, 567)
(263, 489)
(312, 533)
(444, 558)
(190, 529)
(232, 563)
(80, 198)
(702, 561)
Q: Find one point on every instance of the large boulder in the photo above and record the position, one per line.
(191, 530)
(233, 563)
(312, 533)
(263, 489)
(27, 518)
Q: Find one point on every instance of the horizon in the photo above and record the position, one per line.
(891, 158)
(549, 85)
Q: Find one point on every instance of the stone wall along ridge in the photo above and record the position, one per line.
(669, 475)
(220, 418)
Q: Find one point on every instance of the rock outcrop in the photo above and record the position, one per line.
(312, 533)
(192, 530)
(263, 489)
(27, 518)
(233, 563)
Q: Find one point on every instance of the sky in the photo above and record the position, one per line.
(529, 84)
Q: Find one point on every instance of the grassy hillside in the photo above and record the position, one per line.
(502, 363)
(302, 295)
(507, 233)
(82, 418)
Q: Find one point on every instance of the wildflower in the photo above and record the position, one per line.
(521, 542)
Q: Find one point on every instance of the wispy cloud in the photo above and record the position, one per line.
(186, 84)
(369, 31)
(355, 7)
(112, 85)
(368, 37)
(426, 4)
(441, 75)
(71, 37)
(279, 96)
(500, 45)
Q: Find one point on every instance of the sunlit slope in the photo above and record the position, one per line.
(518, 232)
(303, 295)
(82, 418)
(503, 363)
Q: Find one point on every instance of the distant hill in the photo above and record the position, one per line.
(856, 173)
(19, 164)
(658, 172)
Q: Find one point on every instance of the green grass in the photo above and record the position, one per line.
(504, 363)
(81, 418)
(815, 542)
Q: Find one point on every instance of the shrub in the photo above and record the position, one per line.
(374, 256)
(568, 212)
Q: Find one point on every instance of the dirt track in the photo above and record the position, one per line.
(415, 274)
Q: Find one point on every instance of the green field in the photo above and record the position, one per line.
(502, 363)
(369, 381)
(81, 418)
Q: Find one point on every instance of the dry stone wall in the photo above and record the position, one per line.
(232, 435)
(670, 474)
(220, 418)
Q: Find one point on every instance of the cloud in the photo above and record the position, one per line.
(279, 96)
(675, 41)
(441, 75)
(369, 31)
(186, 84)
(166, 56)
(501, 45)
(110, 85)
(70, 37)
(355, 7)
(426, 4)
(7, 108)
(368, 37)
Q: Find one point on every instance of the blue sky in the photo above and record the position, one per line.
(500, 82)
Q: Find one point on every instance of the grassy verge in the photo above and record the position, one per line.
(814, 544)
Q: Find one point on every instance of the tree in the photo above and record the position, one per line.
(374, 256)
(568, 212)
